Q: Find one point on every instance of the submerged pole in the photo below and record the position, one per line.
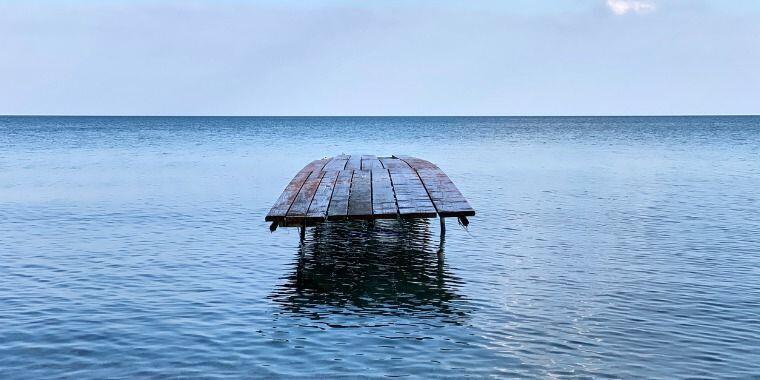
(441, 244)
(302, 232)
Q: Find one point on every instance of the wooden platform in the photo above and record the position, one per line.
(368, 187)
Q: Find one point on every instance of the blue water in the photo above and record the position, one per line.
(603, 247)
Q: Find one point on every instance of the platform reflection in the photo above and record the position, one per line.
(387, 267)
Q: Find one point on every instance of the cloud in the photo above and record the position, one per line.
(621, 7)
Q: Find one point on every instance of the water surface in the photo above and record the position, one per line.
(603, 247)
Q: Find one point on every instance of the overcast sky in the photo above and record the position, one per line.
(312, 57)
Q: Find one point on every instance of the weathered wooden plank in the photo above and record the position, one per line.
(416, 163)
(445, 195)
(367, 187)
(383, 200)
(412, 198)
(338, 208)
(316, 165)
(360, 198)
(318, 207)
(395, 164)
(336, 163)
(283, 203)
(304, 198)
(354, 163)
(447, 199)
(370, 162)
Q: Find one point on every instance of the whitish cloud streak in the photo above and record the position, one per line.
(621, 7)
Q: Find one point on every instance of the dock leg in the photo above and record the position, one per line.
(302, 233)
(300, 267)
(441, 244)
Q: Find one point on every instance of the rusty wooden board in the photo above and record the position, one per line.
(338, 208)
(383, 197)
(318, 207)
(360, 196)
(281, 207)
(354, 162)
(395, 164)
(446, 197)
(304, 198)
(411, 196)
(370, 163)
(337, 163)
(368, 187)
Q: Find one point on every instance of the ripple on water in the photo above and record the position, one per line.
(602, 248)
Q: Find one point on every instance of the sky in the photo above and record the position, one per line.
(392, 57)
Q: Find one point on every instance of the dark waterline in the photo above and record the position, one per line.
(622, 247)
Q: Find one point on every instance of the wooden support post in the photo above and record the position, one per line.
(302, 231)
(441, 243)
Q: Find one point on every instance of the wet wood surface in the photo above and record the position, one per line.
(305, 196)
(338, 208)
(281, 207)
(446, 197)
(360, 196)
(319, 205)
(370, 163)
(368, 187)
(383, 197)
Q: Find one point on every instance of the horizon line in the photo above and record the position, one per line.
(378, 116)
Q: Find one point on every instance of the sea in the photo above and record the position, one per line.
(602, 247)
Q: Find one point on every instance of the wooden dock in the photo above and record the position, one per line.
(367, 187)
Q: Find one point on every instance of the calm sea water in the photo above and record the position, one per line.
(603, 247)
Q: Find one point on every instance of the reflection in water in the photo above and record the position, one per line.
(604, 248)
(387, 267)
